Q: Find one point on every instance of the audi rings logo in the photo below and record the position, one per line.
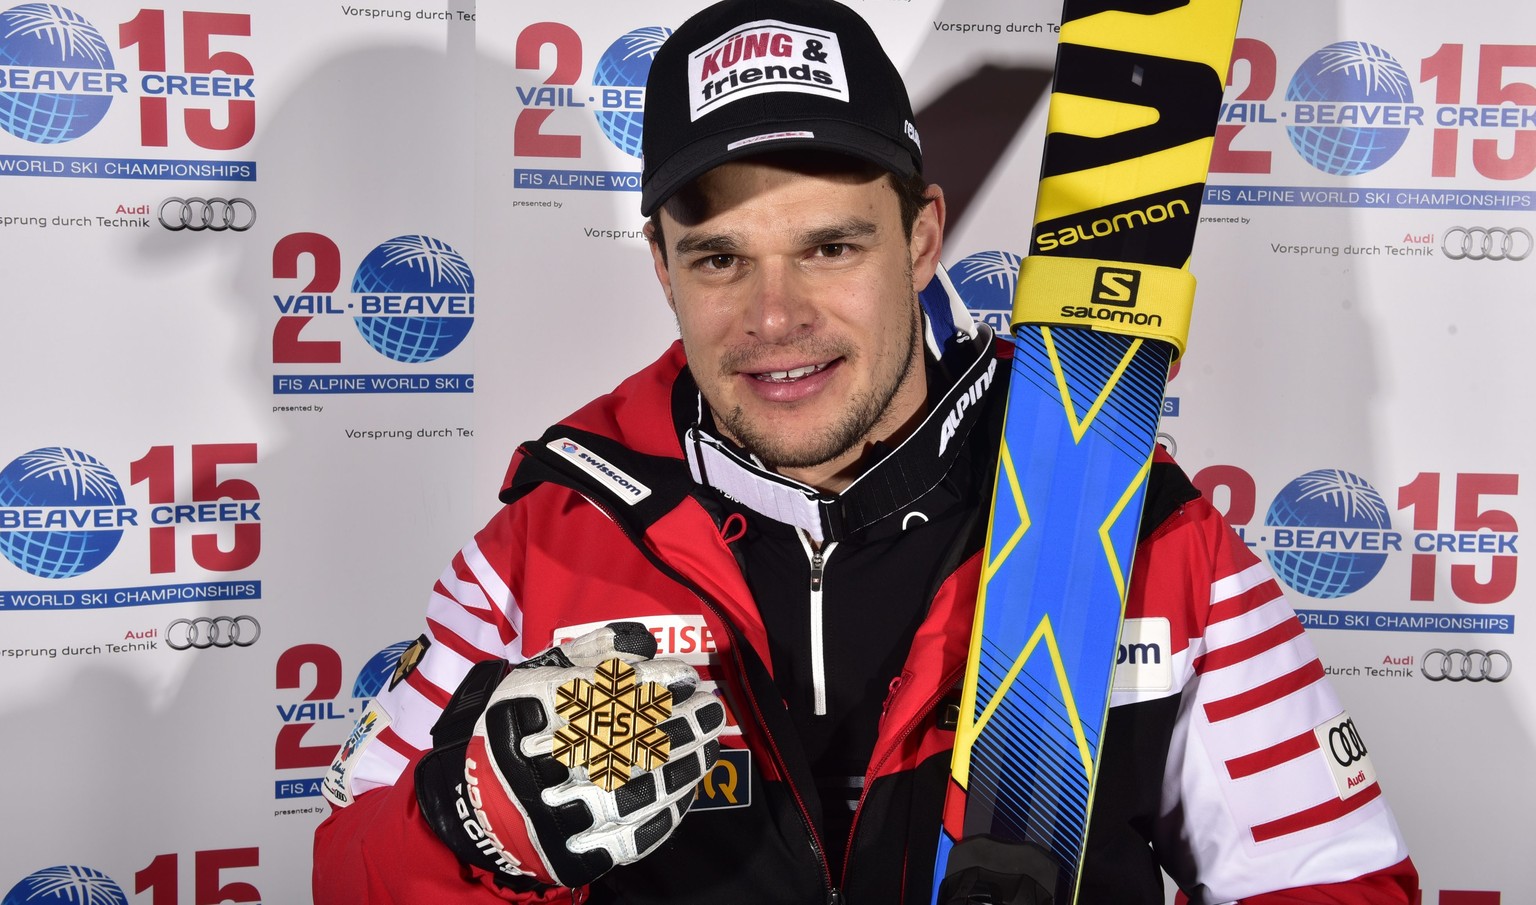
(216, 214)
(1477, 243)
(1345, 745)
(1466, 665)
(212, 631)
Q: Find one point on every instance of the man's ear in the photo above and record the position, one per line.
(654, 239)
(927, 241)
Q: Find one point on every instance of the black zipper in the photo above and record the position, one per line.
(944, 689)
(834, 896)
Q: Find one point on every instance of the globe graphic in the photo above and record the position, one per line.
(66, 884)
(986, 280)
(379, 669)
(1349, 72)
(1327, 498)
(626, 63)
(58, 477)
(47, 36)
(407, 265)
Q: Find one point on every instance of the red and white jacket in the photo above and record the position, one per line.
(1222, 764)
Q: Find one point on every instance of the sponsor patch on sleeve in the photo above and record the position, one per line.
(409, 659)
(728, 784)
(623, 486)
(1348, 761)
(1145, 659)
(337, 784)
(763, 57)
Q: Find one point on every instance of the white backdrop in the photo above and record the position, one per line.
(209, 424)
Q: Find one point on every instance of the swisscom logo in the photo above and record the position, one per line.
(61, 70)
(1328, 498)
(1352, 72)
(62, 512)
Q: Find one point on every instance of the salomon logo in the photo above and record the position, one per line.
(1108, 226)
(1113, 286)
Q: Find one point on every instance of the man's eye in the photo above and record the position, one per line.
(833, 250)
(718, 262)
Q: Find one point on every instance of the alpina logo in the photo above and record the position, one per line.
(964, 403)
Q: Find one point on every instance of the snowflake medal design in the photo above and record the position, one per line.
(613, 725)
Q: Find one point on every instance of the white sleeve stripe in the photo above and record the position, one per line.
(1223, 634)
(1326, 811)
(467, 593)
(500, 596)
(1233, 585)
(377, 766)
(412, 714)
(1273, 691)
(465, 624)
(1267, 758)
(1273, 723)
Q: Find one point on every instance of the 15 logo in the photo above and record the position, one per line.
(1329, 533)
(60, 78)
(1349, 108)
(63, 511)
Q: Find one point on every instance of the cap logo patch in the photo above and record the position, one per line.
(764, 57)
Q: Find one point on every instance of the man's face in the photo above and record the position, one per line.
(796, 297)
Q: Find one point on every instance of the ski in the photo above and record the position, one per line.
(1101, 311)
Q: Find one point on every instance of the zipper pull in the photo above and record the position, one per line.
(816, 571)
(890, 695)
(835, 897)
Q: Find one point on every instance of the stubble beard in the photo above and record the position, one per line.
(834, 440)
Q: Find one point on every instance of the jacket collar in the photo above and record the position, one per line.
(888, 485)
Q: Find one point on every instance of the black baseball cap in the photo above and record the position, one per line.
(745, 77)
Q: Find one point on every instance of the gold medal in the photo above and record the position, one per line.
(612, 724)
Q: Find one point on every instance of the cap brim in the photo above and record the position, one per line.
(700, 157)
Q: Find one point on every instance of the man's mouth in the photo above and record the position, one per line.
(790, 375)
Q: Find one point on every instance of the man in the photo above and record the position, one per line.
(771, 501)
